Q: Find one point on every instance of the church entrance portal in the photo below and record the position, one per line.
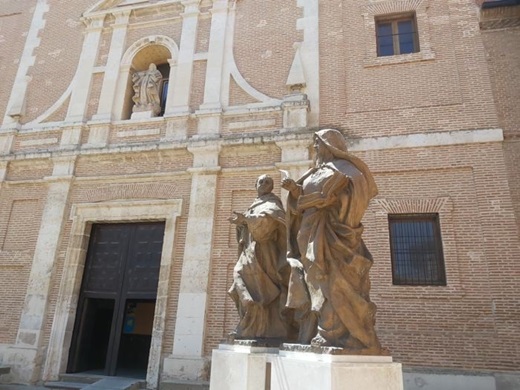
(114, 321)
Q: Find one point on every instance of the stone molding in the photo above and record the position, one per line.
(83, 216)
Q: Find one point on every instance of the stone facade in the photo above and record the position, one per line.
(249, 81)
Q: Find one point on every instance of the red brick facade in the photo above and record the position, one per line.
(439, 129)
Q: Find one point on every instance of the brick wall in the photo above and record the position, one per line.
(265, 65)
(501, 37)
(15, 20)
(468, 81)
(20, 214)
(468, 324)
(450, 91)
(56, 58)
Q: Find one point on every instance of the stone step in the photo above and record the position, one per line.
(100, 383)
(115, 383)
(184, 385)
(80, 378)
(65, 385)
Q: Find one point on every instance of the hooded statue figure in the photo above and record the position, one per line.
(329, 284)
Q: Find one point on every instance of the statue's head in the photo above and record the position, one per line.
(333, 140)
(264, 185)
(329, 144)
(152, 66)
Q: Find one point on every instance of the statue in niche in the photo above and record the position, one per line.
(329, 283)
(261, 274)
(146, 86)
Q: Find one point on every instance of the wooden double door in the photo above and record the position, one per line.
(114, 321)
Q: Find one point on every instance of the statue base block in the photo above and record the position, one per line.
(241, 366)
(143, 115)
(292, 370)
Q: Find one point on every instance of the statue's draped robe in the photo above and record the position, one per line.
(326, 239)
(146, 88)
(261, 270)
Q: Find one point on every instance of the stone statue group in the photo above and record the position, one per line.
(302, 275)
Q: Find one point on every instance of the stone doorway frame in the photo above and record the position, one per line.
(83, 216)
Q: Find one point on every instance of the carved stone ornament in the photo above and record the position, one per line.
(146, 85)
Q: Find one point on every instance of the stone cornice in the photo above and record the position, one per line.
(276, 136)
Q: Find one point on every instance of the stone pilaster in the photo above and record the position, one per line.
(83, 78)
(217, 40)
(187, 361)
(295, 159)
(25, 357)
(180, 89)
(117, 45)
(3, 171)
(310, 55)
(295, 108)
(6, 140)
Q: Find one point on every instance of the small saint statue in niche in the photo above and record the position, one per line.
(261, 274)
(146, 90)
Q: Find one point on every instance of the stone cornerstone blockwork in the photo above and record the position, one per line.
(131, 129)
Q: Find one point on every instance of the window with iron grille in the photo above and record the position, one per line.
(416, 249)
(396, 35)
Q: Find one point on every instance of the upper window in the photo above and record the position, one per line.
(416, 249)
(396, 35)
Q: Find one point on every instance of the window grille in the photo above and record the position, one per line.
(416, 250)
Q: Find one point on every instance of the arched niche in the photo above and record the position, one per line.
(160, 50)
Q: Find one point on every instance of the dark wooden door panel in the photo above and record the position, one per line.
(144, 260)
(123, 262)
(107, 250)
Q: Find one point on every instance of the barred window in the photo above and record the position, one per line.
(416, 249)
(397, 35)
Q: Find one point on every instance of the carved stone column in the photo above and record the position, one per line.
(187, 361)
(25, 357)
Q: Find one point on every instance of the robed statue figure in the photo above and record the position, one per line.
(146, 86)
(261, 274)
(329, 284)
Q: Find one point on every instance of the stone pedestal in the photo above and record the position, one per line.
(306, 370)
(241, 367)
(143, 114)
